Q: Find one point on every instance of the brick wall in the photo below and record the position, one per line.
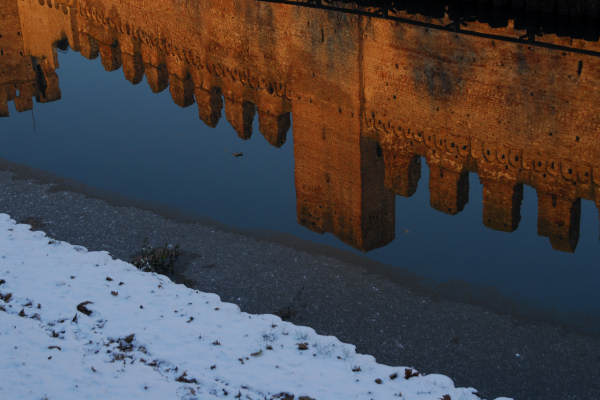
(369, 98)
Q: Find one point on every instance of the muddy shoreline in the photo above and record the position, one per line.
(392, 317)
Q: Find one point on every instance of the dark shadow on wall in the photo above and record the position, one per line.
(572, 18)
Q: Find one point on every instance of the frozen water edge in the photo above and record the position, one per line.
(146, 336)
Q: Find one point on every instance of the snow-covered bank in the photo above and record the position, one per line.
(146, 336)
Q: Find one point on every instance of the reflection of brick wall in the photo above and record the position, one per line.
(514, 113)
(403, 171)
(11, 43)
(502, 204)
(339, 178)
(558, 219)
(15, 68)
(22, 77)
(368, 96)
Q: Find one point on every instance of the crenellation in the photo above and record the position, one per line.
(369, 99)
(88, 46)
(241, 116)
(22, 76)
(131, 59)
(182, 90)
(110, 55)
(133, 67)
(502, 204)
(24, 100)
(448, 189)
(274, 127)
(48, 85)
(273, 117)
(558, 219)
(402, 172)
(157, 77)
(240, 107)
(210, 104)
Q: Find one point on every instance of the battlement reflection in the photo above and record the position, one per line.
(370, 98)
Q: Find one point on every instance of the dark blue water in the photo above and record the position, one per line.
(122, 138)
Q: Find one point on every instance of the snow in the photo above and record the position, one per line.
(149, 337)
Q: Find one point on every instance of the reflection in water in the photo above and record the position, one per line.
(370, 97)
(574, 18)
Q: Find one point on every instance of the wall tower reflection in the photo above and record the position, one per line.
(370, 97)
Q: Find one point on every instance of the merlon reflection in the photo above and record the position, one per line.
(370, 98)
(22, 76)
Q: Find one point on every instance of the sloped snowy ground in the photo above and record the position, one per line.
(146, 337)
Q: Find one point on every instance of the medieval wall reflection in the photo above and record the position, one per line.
(370, 98)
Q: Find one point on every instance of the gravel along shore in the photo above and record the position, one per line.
(333, 292)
